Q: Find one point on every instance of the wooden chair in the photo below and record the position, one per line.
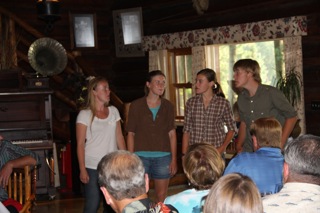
(22, 187)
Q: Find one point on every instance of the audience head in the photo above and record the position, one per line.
(302, 160)
(266, 132)
(151, 76)
(250, 66)
(211, 76)
(122, 175)
(233, 193)
(203, 165)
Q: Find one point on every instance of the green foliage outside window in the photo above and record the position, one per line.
(269, 55)
(266, 53)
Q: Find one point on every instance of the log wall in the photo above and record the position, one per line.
(127, 75)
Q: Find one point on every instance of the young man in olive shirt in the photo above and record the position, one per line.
(257, 100)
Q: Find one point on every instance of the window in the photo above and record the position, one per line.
(221, 59)
(289, 29)
(180, 68)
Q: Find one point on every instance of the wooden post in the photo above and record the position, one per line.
(1, 42)
(12, 43)
(15, 186)
(27, 183)
(20, 189)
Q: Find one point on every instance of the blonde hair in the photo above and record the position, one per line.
(90, 100)
(268, 132)
(233, 193)
(249, 65)
(203, 165)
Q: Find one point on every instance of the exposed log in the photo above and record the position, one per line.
(66, 100)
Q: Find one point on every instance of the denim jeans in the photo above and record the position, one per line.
(93, 194)
(158, 167)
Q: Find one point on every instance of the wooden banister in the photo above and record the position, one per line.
(76, 61)
(21, 23)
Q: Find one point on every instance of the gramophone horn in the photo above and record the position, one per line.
(47, 56)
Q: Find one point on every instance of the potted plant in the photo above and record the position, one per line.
(290, 84)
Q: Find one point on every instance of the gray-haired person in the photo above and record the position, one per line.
(125, 184)
(301, 172)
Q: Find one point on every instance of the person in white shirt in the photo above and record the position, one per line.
(98, 131)
(301, 171)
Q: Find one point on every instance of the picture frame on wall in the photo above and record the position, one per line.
(83, 31)
(128, 32)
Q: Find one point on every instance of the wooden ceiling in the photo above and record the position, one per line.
(169, 16)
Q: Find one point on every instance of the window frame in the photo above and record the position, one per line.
(173, 76)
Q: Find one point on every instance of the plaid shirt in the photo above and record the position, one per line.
(207, 125)
(8, 152)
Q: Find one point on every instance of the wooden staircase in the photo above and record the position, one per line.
(16, 36)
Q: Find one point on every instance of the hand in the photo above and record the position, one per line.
(84, 177)
(5, 173)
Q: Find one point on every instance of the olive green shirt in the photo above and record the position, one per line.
(267, 102)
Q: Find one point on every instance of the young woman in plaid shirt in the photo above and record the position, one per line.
(207, 114)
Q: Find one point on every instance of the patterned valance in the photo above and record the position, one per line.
(256, 31)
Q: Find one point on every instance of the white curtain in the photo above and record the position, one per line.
(212, 61)
(198, 62)
(158, 60)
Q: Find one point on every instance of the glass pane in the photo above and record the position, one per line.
(183, 95)
(182, 102)
(179, 102)
(180, 69)
(184, 68)
(188, 93)
(189, 69)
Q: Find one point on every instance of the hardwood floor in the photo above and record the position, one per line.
(68, 203)
(72, 205)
